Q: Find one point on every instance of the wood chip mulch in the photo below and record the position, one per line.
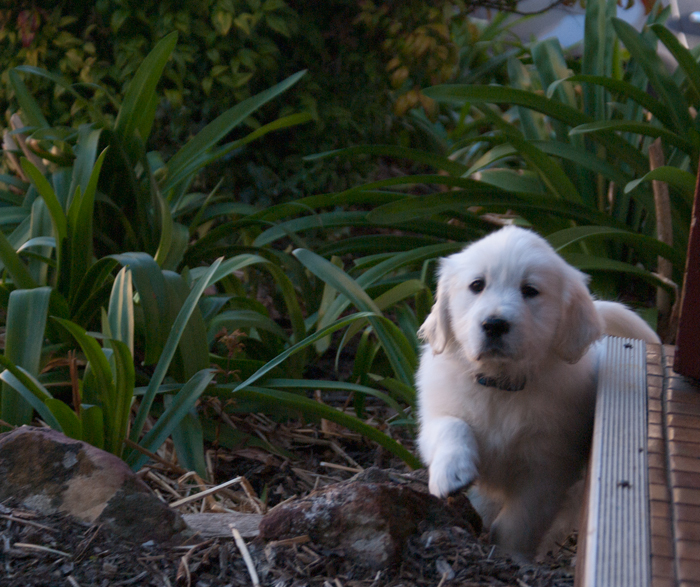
(289, 460)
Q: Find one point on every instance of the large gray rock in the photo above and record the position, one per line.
(49, 472)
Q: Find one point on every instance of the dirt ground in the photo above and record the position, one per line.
(284, 462)
(52, 550)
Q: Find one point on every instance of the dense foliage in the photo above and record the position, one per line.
(128, 287)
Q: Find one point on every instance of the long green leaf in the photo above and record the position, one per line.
(99, 367)
(25, 325)
(149, 282)
(64, 83)
(30, 109)
(459, 94)
(588, 263)
(309, 340)
(312, 384)
(169, 349)
(46, 192)
(30, 390)
(624, 90)
(204, 158)
(188, 440)
(124, 382)
(134, 115)
(641, 128)
(563, 238)
(683, 180)
(18, 271)
(121, 309)
(80, 232)
(309, 406)
(178, 409)
(684, 57)
(401, 363)
(669, 93)
(216, 130)
(70, 424)
(416, 155)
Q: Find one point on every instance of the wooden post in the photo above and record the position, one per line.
(687, 357)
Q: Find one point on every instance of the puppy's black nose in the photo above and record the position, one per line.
(494, 326)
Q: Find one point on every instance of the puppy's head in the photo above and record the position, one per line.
(508, 303)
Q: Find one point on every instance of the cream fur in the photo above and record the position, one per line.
(524, 448)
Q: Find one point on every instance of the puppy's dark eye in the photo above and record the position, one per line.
(529, 291)
(477, 286)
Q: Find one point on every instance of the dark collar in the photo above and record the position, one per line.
(502, 383)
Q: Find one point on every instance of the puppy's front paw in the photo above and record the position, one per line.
(451, 471)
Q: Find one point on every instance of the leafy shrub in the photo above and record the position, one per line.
(100, 201)
(363, 60)
(563, 147)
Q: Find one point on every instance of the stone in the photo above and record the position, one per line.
(46, 471)
(369, 520)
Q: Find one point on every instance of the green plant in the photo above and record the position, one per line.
(563, 149)
(157, 329)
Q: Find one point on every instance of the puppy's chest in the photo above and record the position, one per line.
(517, 426)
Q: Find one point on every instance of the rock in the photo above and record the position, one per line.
(369, 521)
(49, 472)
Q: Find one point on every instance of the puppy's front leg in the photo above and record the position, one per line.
(526, 517)
(448, 447)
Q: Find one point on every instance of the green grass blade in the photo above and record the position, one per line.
(308, 406)
(563, 238)
(597, 54)
(236, 319)
(188, 440)
(64, 83)
(624, 89)
(216, 130)
(125, 380)
(402, 363)
(204, 158)
(25, 325)
(31, 111)
(71, 426)
(193, 348)
(29, 390)
(415, 155)
(309, 340)
(93, 425)
(99, 366)
(134, 115)
(683, 180)
(662, 82)
(459, 94)
(85, 157)
(149, 282)
(18, 271)
(81, 233)
(312, 384)
(587, 263)
(121, 309)
(641, 128)
(178, 409)
(170, 348)
(46, 192)
(684, 57)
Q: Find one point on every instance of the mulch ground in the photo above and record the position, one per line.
(287, 460)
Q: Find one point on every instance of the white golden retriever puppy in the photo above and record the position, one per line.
(507, 381)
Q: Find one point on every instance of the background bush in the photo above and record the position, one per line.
(366, 62)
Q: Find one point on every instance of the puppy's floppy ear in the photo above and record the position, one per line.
(436, 330)
(580, 324)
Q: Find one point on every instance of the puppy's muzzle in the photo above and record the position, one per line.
(495, 327)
